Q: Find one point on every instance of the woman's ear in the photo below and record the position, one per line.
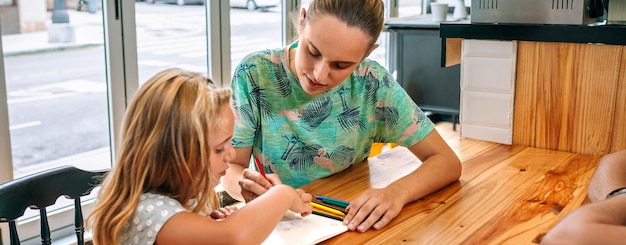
(371, 49)
(301, 20)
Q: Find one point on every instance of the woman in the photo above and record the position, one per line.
(314, 108)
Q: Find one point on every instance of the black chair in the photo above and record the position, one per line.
(41, 190)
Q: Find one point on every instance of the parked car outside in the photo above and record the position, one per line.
(254, 4)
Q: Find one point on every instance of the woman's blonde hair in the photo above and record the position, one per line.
(163, 149)
(366, 15)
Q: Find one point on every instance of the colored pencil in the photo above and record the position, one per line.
(328, 215)
(327, 209)
(332, 199)
(260, 167)
(343, 210)
(331, 202)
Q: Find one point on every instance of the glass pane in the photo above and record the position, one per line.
(56, 86)
(254, 27)
(425, 8)
(6, 2)
(409, 7)
(57, 98)
(170, 33)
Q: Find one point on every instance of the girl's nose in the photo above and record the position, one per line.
(231, 153)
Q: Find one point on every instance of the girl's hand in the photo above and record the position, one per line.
(253, 184)
(374, 208)
(223, 212)
(302, 204)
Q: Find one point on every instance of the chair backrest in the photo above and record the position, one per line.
(41, 190)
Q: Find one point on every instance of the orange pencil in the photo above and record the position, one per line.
(327, 215)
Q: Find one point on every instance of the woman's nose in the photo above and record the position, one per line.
(321, 72)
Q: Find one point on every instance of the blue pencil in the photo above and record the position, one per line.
(332, 199)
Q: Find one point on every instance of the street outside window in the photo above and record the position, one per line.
(7, 2)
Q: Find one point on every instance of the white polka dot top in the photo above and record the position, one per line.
(151, 213)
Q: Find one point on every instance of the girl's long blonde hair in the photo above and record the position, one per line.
(163, 149)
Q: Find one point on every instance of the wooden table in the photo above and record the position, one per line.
(507, 194)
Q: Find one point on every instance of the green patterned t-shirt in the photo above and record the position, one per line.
(302, 137)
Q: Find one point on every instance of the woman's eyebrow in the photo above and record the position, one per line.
(337, 61)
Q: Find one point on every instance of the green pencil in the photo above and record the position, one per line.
(331, 202)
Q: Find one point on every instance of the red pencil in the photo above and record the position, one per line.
(260, 167)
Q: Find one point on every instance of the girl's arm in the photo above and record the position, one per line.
(251, 224)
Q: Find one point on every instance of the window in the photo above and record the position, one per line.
(7, 2)
(56, 88)
(65, 100)
(56, 109)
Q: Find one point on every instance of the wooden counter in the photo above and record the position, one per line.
(507, 194)
(569, 83)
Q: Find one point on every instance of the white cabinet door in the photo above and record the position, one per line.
(487, 90)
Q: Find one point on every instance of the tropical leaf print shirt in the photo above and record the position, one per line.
(302, 137)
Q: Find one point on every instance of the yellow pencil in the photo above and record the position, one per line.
(327, 209)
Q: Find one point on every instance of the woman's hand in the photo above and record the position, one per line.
(223, 212)
(374, 208)
(253, 184)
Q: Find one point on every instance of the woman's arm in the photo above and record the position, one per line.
(609, 175)
(377, 207)
(603, 222)
(440, 167)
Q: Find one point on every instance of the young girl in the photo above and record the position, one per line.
(315, 107)
(175, 146)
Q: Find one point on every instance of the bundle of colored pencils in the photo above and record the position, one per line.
(329, 207)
